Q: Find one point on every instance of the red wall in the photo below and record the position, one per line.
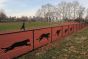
(71, 28)
(56, 33)
(9, 39)
(65, 30)
(39, 35)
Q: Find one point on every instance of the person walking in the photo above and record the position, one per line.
(23, 26)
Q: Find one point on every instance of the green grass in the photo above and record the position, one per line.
(9, 26)
(17, 25)
(73, 47)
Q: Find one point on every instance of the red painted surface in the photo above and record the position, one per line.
(78, 26)
(37, 40)
(9, 39)
(71, 28)
(86, 25)
(74, 28)
(65, 30)
(83, 25)
(38, 34)
(56, 33)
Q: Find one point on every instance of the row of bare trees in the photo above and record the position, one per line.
(64, 10)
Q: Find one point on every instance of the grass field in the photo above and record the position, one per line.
(73, 47)
(29, 25)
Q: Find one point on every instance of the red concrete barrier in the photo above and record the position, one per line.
(83, 25)
(41, 37)
(74, 26)
(86, 25)
(80, 26)
(18, 43)
(77, 27)
(71, 28)
(65, 30)
(15, 44)
(56, 33)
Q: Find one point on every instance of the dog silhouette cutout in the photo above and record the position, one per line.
(70, 29)
(58, 32)
(44, 36)
(66, 30)
(17, 44)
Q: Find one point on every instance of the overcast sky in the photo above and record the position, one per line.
(29, 7)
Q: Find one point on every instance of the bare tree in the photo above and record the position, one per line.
(75, 5)
(86, 17)
(46, 11)
(63, 10)
(81, 12)
(2, 15)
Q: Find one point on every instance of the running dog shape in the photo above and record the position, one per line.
(58, 32)
(44, 36)
(17, 44)
(70, 29)
(66, 30)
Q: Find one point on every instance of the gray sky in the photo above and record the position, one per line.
(29, 7)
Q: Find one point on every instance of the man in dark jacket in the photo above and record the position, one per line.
(23, 26)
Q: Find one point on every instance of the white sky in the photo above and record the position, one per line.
(29, 7)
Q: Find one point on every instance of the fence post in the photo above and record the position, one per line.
(51, 34)
(33, 39)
